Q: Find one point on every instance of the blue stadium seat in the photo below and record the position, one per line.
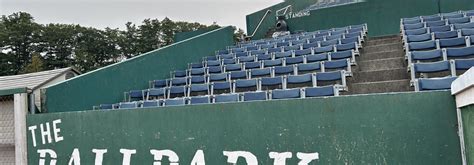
(303, 52)
(310, 45)
(159, 83)
(335, 37)
(309, 68)
(432, 67)
(342, 64)
(151, 103)
(128, 105)
(321, 34)
(241, 54)
(329, 42)
(431, 18)
(281, 44)
(221, 87)
(270, 63)
(461, 20)
(233, 67)
(303, 80)
(213, 63)
(255, 96)
(351, 40)
(283, 70)
(135, 95)
(246, 59)
(313, 41)
(156, 93)
(267, 46)
(275, 50)
(291, 48)
(106, 106)
(321, 91)
(283, 54)
(417, 31)
(236, 75)
(317, 58)
(354, 35)
(199, 100)
(355, 30)
(176, 91)
(318, 50)
(221, 52)
(466, 52)
(331, 77)
(197, 71)
(179, 73)
(440, 28)
(246, 85)
(413, 26)
(299, 42)
(252, 65)
(306, 37)
(214, 69)
(452, 15)
(226, 98)
(348, 54)
(470, 13)
(179, 81)
(264, 57)
(463, 64)
(467, 32)
(415, 20)
(463, 26)
(199, 89)
(258, 52)
(226, 56)
(174, 102)
(349, 46)
(252, 48)
(419, 38)
(427, 45)
(236, 50)
(339, 32)
(416, 56)
(452, 42)
(286, 93)
(445, 35)
(258, 43)
(265, 72)
(294, 60)
(435, 23)
(229, 61)
(218, 77)
(270, 83)
(196, 65)
(434, 83)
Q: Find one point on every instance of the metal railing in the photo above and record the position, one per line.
(260, 23)
(285, 9)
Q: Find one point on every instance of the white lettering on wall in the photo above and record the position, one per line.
(75, 157)
(33, 136)
(56, 130)
(42, 156)
(127, 154)
(158, 155)
(198, 158)
(45, 133)
(279, 158)
(306, 158)
(233, 156)
(99, 155)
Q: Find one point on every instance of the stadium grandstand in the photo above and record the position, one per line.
(314, 82)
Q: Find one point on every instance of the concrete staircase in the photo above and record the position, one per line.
(381, 68)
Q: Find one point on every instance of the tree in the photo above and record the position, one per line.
(36, 64)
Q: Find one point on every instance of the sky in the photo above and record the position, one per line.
(115, 13)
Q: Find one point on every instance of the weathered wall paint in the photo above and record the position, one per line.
(404, 128)
(106, 85)
(382, 16)
(468, 124)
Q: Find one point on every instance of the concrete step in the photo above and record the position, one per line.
(379, 87)
(382, 47)
(379, 75)
(372, 42)
(380, 64)
(380, 55)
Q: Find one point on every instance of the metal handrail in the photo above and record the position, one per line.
(260, 23)
(286, 10)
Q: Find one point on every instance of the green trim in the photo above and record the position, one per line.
(5, 92)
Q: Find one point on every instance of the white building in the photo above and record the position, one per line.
(15, 92)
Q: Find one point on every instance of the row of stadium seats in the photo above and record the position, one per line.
(252, 67)
(229, 98)
(438, 48)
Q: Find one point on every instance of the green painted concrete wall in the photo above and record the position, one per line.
(405, 128)
(382, 16)
(185, 35)
(468, 123)
(106, 85)
(269, 21)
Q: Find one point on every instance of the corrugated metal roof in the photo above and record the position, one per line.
(30, 80)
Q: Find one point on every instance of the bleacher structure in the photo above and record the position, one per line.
(310, 64)
(438, 48)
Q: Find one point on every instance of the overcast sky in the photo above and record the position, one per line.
(115, 13)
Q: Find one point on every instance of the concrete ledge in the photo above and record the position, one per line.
(463, 88)
(5, 92)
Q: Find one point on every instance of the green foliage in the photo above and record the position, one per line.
(26, 46)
